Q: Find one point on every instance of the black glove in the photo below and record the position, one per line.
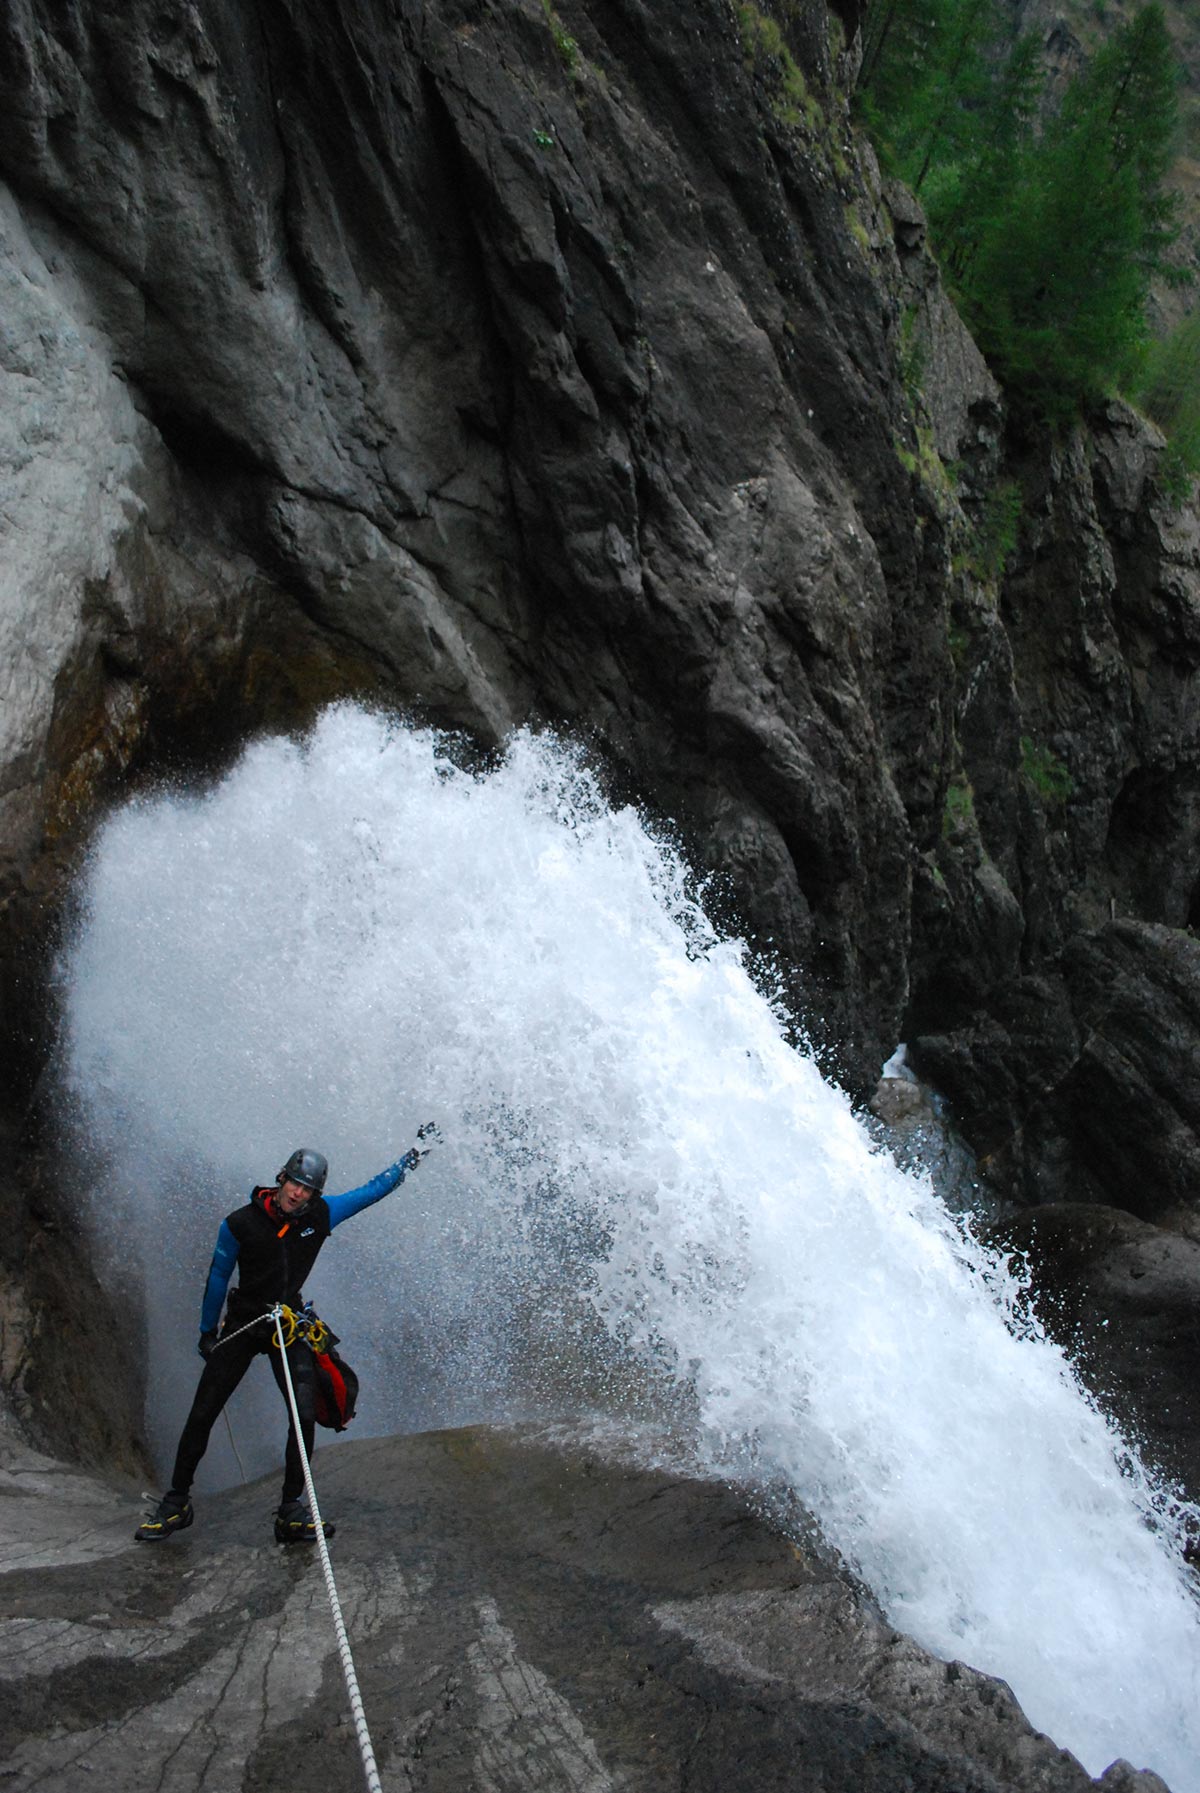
(429, 1134)
(207, 1345)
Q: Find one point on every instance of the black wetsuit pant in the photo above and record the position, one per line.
(222, 1373)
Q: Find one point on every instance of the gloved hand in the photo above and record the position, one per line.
(207, 1345)
(429, 1134)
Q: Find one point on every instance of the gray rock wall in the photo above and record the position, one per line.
(578, 368)
(552, 391)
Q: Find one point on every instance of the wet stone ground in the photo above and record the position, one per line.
(524, 1615)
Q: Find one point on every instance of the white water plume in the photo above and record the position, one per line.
(353, 935)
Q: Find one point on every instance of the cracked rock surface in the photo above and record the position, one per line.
(523, 1613)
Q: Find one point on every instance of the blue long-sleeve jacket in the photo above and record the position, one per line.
(274, 1254)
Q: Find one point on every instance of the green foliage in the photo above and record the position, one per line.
(1058, 283)
(927, 466)
(1179, 468)
(995, 535)
(564, 43)
(858, 229)
(1048, 237)
(1046, 773)
(1168, 390)
(958, 811)
(912, 356)
(767, 55)
(924, 73)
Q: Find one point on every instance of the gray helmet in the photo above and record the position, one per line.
(307, 1168)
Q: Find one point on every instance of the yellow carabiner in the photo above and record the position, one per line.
(316, 1335)
(289, 1329)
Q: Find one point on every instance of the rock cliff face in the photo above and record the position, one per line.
(574, 365)
(431, 351)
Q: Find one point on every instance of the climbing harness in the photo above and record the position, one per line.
(304, 1326)
(335, 1383)
(374, 1784)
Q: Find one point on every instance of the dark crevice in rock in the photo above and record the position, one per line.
(201, 446)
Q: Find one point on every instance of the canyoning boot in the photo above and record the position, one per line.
(172, 1514)
(294, 1524)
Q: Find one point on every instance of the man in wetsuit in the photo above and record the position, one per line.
(273, 1241)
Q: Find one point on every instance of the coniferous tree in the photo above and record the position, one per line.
(965, 197)
(1057, 281)
(1049, 239)
(923, 72)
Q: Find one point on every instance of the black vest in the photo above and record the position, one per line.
(275, 1254)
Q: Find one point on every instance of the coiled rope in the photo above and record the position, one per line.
(356, 1706)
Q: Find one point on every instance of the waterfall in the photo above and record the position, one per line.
(648, 1203)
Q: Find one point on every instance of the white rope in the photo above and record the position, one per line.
(248, 1327)
(356, 1706)
(233, 1447)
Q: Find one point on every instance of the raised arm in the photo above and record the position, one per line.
(342, 1207)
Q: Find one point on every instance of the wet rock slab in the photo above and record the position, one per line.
(523, 1614)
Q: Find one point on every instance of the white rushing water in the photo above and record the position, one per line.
(348, 937)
